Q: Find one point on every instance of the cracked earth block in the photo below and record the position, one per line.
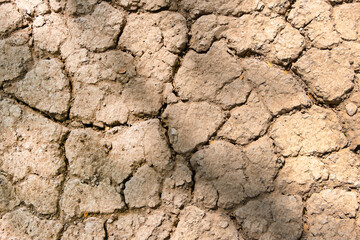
(309, 132)
(331, 214)
(221, 7)
(32, 6)
(300, 174)
(41, 193)
(151, 32)
(225, 176)
(304, 11)
(247, 122)
(143, 189)
(329, 78)
(116, 155)
(98, 30)
(21, 224)
(45, 88)
(191, 124)
(79, 198)
(91, 228)
(195, 223)
(222, 166)
(280, 91)
(50, 32)
(213, 76)
(346, 19)
(13, 60)
(148, 5)
(141, 225)
(272, 217)
(8, 198)
(30, 142)
(10, 18)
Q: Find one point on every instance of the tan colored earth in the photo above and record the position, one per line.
(179, 119)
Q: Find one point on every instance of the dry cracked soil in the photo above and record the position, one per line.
(179, 119)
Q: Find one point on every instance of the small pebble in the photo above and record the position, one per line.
(351, 109)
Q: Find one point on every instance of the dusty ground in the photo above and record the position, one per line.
(188, 119)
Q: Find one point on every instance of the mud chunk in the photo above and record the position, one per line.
(143, 96)
(315, 131)
(10, 18)
(346, 17)
(322, 34)
(21, 224)
(79, 198)
(304, 11)
(148, 5)
(32, 6)
(8, 198)
(331, 214)
(225, 175)
(191, 124)
(57, 5)
(45, 87)
(300, 174)
(30, 142)
(155, 225)
(280, 91)
(151, 32)
(97, 31)
(352, 130)
(272, 217)
(202, 76)
(203, 32)
(222, 165)
(261, 168)
(222, 7)
(205, 193)
(344, 167)
(91, 228)
(159, 65)
(115, 155)
(112, 111)
(277, 6)
(247, 122)
(253, 33)
(86, 103)
(287, 45)
(327, 77)
(113, 65)
(197, 224)
(13, 60)
(85, 152)
(348, 52)
(41, 193)
(80, 7)
(143, 189)
(50, 32)
(176, 188)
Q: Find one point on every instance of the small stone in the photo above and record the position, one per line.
(351, 109)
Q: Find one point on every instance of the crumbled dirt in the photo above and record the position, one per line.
(179, 119)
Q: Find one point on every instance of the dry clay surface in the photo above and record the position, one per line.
(179, 119)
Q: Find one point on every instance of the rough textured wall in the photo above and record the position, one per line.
(180, 120)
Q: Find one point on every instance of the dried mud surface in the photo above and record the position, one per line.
(179, 119)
